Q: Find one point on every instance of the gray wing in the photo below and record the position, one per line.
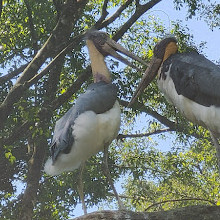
(99, 98)
(195, 77)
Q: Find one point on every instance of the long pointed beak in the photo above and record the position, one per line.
(149, 75)
(111, 47)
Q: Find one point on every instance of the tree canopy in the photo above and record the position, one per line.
(44, 66)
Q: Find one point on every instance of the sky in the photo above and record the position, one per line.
(198, 28)
(201, 32)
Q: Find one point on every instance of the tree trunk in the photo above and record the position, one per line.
(28, 200)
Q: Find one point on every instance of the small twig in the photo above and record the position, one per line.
(179, 200)
(109, 20)
(12, 74)
(162, 119)
(104, 13)
(122, 136)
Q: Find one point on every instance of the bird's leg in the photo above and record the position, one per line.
(80, 187)
(217, 146)
(107, 174)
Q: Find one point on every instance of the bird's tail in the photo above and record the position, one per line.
(57, 168)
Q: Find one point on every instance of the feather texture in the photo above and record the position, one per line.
(83, 131)
(192, 84)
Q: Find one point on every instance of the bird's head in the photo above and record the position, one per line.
(108, 47)
(162, 51)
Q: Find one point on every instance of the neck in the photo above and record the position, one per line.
(99, 69)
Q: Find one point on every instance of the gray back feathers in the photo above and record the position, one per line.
(99, 98)
(195, 77)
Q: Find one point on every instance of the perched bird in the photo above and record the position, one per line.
(94, 121)
(190, 82)
(85, 129)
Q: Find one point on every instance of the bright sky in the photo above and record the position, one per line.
(198, 28)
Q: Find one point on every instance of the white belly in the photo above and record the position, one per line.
(208, 117)
(91, 133)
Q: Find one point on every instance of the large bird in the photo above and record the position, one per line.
(190, 82)
(94, 121)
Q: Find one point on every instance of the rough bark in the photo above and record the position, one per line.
(28, 200)
(35, 164)
(186, 213)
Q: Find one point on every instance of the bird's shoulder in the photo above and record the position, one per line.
(195, 77)
(99, 97)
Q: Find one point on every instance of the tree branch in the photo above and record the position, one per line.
(12, 74)
(26, 209)
(103, 15)
(36, 162)
(199, 212)
(165, 201)
(73, 43)
(52, 46)
(170, 124)
(111, 19)
(140, 10)
(122, 136)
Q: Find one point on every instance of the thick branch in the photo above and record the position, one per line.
(186, 213)
(103, 15)
(140, 10)
(170, 124)
(109, 20)
(73, 43)
(34, 174)
(61, 33)
(39, 146)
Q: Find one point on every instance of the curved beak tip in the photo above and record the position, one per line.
(112, 47)
(149, 75)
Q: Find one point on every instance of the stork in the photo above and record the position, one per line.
(190, 82)
(94, 121)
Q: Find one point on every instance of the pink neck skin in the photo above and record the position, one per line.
(98, 77)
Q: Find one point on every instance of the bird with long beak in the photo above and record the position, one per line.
(94, 121)
(190, 82)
